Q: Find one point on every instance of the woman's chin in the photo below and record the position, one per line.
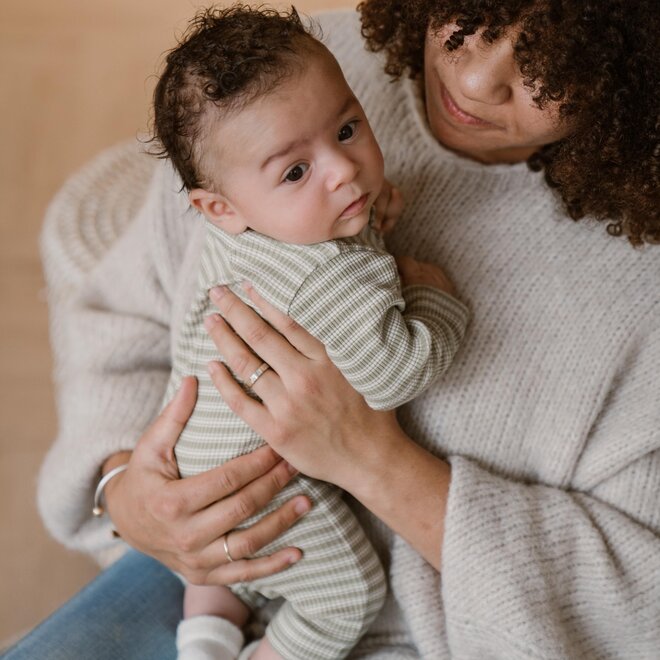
(478, 145)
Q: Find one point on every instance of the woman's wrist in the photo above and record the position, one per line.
(112, 462)
(407, 488)
(115, 460)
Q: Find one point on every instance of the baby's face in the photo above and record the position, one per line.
(301, 164)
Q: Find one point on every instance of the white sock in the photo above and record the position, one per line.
(208, 638)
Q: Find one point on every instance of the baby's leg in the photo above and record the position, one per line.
(211, 629)
(214, 601)
(265, 651)
(334, 592)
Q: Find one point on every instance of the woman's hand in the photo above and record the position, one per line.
(309, 413)
(183, 522)
(312, 416)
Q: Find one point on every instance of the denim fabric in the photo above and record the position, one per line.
(130, 611)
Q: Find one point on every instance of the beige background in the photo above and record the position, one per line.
(76, 76)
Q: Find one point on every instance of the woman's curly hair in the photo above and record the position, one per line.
(227, 57)
(600, 59)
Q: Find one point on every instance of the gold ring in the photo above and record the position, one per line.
(224, 543)
(258, 373)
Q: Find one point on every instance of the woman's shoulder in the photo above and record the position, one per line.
(122, 188)
(92, 209)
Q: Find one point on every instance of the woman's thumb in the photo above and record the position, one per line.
(169, 424)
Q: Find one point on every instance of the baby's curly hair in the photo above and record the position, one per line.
(600, 59)
(226, 58)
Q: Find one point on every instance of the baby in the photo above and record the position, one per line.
(276, 153)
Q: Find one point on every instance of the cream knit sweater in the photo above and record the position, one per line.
(550, 414)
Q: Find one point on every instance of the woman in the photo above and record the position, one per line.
(516, 505)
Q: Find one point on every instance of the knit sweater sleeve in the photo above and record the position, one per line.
(109, 304)
(390, 350)
(566, 570)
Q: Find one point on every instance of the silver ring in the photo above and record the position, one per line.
(258, 373)
(224, 543)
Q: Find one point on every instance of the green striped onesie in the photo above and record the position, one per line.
(347, 293)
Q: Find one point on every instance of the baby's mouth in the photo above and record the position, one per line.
(354, 207)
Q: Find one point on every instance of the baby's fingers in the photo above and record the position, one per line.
(387, 207)
(392, 211)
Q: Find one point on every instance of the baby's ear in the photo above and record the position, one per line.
(217, 209)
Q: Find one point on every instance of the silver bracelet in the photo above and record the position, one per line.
(97, 509)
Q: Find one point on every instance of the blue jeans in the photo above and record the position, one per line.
(131, 610)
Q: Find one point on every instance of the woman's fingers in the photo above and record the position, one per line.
(295, 334)
(211, 565)
(250, 327)
(247, 570)
(243, 544)
(198, 548)
(240, 359)
(202, 490)
(235, 509)
(269, 344)
(242, 404)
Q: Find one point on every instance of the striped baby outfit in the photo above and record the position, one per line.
(390, 346)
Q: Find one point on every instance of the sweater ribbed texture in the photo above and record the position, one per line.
(549, 413)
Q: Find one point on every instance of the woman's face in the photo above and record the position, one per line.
(476, 102)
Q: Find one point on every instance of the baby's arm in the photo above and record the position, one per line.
(390, 350)
(422, 273)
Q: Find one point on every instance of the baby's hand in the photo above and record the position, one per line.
(420, 272)
(388, 207)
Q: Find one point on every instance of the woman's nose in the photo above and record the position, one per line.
(485, 72)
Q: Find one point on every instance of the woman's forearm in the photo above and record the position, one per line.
(407, 488)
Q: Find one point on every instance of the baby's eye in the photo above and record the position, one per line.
(347, 131)
(296, 172)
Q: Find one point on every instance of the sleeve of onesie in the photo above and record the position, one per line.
(390, 350)
(567, 570)
(109, 308)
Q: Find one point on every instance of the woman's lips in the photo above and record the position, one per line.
(460, 115)
(355, 207)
